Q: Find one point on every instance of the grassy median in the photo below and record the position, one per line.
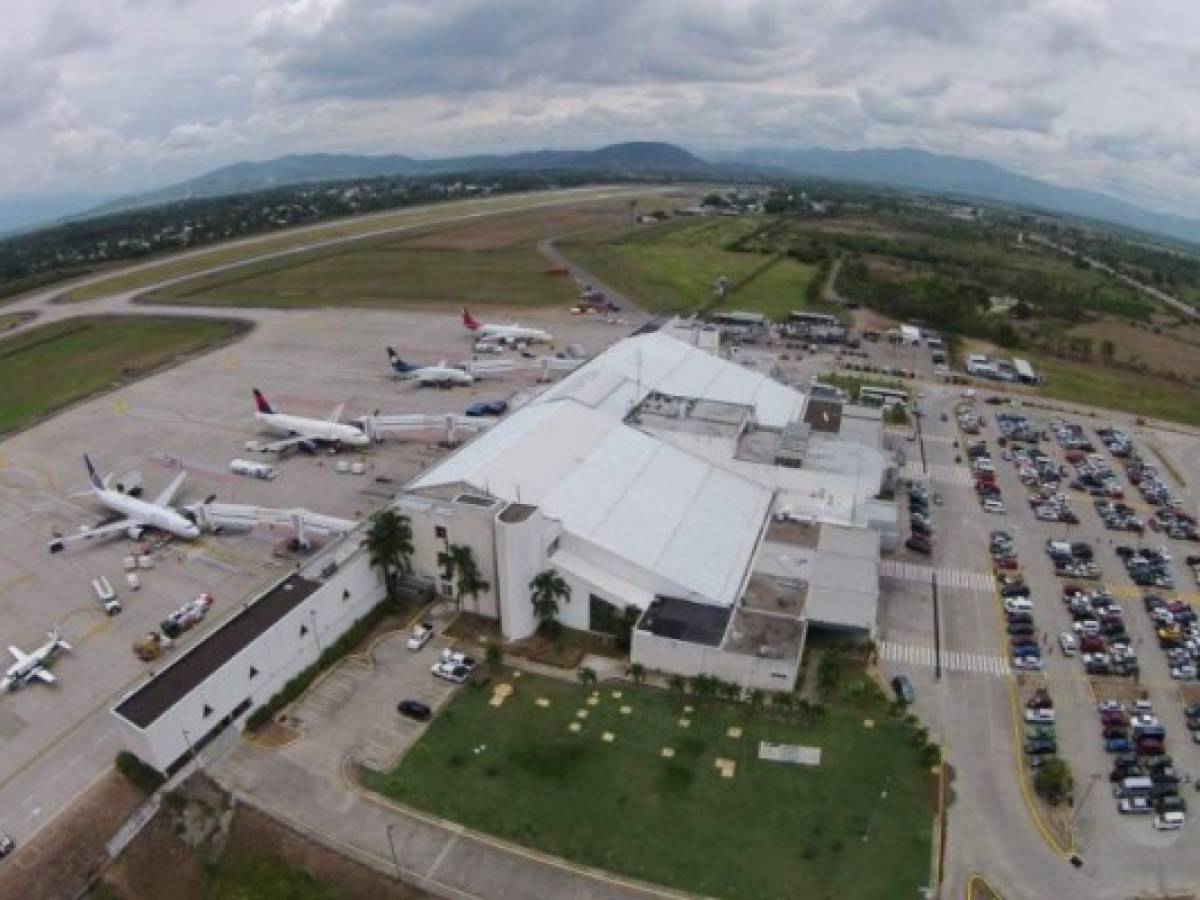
(50, 366)
(858, 825)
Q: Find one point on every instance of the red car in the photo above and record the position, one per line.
(1114, 717)
(1092, 645)
(1007, 563)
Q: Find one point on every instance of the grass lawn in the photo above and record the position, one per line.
(1095, 385)
(250, 877)
(672, 268)
(47, 367)
(777, 291)
(383, 273)
(173, 266)
(773, 830)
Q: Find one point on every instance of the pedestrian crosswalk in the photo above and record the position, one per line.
(952, 660)
(948, 579)
(942, 473)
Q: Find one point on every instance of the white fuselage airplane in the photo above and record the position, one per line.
(30, 666)
(135, 515)
(299, 430)
(506, 334)
(438, 375)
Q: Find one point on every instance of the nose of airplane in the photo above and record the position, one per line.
(193, 531)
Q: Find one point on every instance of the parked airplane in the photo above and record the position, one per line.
(439, 375)
(29, 666)
(136, 515)
(299, 431)
(505, 334)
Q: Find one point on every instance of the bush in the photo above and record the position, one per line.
(141, 775)
(332, 654)
(1053, 781)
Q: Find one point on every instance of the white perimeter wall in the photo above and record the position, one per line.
(687, 659)
(278, 656)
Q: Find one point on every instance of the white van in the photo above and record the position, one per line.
(253, 469)
(1138, 786)
(1018, 604)
(105, 594)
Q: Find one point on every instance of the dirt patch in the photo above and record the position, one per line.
(1117, 689)
(166, 859)
(273, 736)
(1173, 348)
(504, 231)
(63, 857)
(1189, 693)
(566, 651)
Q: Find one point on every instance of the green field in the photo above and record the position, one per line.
(50, 366)
(382, 274)
(673, 268)
(417, 217)
(773, 830)
(1131, 392)
(12, 320)
(252, 877)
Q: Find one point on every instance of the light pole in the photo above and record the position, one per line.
(395, 856)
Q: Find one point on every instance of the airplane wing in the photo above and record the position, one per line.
(44, 675)
(18, 655)
(99, 531)
(283, 443)
(336, 415)
(168, 493)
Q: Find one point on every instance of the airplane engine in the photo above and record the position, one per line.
(134, 532)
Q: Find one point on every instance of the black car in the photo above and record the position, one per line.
(920, 528)
(415, 709)
(919, 544)
(904, 689)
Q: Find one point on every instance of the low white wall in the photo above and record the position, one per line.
(687, 659)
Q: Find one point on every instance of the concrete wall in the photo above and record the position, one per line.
(682, 658)
(465, 524)
(521, 551)
(277, 656)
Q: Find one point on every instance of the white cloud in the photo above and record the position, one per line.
(121, 94)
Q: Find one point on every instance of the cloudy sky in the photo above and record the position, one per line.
(110, 96)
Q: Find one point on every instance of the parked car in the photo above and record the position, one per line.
(904, 689)
(7, 845)
(420, 636)
(1135, 806)
(457, 658)
(1068, 643)
(450, 672)
(919, 544)
(1118, 745)
(1039, 715)
(1169, 821)
(991, 505)
(488, 408)
(414, 709)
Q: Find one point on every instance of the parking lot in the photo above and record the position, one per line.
(199, 415)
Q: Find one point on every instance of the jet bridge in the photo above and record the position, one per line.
(302, 522)
(381, 427)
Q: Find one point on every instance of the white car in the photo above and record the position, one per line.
(1184, 673)
(420, 636)
(455, 658)
(1135, 806)
(449, 672)
(1068, 643)
(993, 506)
(1110, 706)
(1031, 663)
(1039, 716)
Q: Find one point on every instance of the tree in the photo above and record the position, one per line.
(756, 698)
(546, 589)
(587, 676)
(1053, 781)
(493, 655)
(677, 684)
(704, 686)
(389, 543)
(727, 690)
(636, 672)
(460, 568)
(783, 703)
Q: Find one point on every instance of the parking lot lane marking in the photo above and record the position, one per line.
(437, 863)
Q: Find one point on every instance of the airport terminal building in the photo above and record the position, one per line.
(730, 512)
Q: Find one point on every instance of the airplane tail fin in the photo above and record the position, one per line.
(469, 320)
(57, 640)
(397, 363)
(92, 476)
(261, 402)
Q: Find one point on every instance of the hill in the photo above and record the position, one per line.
(944, 174)
(243, 177)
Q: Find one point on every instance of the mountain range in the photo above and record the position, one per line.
(902, 168)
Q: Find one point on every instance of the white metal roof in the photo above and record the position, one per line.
(639, 498)
(623, 375)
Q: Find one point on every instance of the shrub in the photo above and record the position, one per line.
(141, 775)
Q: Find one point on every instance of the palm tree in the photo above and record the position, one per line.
(468, 582)
(756, 698)
(636, 672)
(677, 684)
(389, 542)
(545, 590)
(587, 676)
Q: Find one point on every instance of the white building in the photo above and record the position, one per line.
(249, 657)
(650, 478)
